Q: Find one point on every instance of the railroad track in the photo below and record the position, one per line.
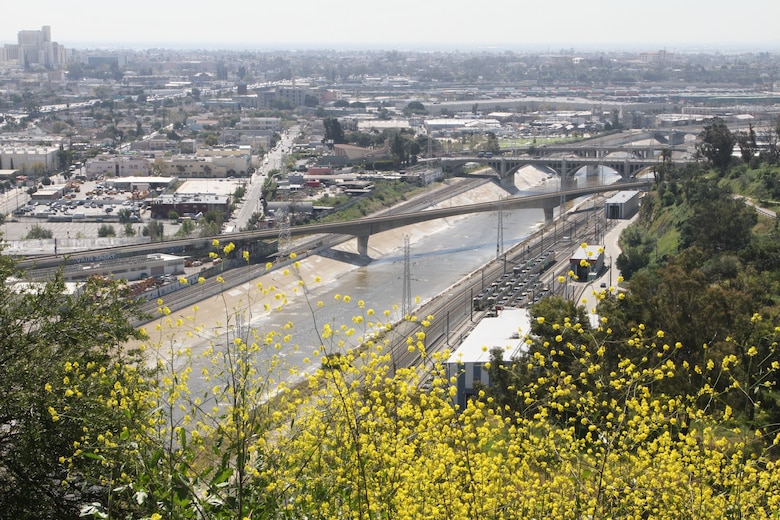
(454, 316)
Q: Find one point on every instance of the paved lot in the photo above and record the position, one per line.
(17, 228)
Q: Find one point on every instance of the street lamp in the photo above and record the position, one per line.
(610, 271)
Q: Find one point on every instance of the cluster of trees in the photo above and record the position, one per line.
(405, 146)
(61, 365)
(717, 144)
(712, 289)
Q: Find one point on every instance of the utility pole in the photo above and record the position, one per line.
(285, 242)
(500, 230)
(406, 298)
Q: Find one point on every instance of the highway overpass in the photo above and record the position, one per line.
(361, 228)
(506, 166)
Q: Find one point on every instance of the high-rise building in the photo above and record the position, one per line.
(35, 50)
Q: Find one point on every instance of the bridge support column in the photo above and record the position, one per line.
(507, 181)
(362, 245)
(549, 214)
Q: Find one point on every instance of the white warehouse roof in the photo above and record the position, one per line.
(507, 331)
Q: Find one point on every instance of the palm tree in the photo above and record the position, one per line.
(666, 160)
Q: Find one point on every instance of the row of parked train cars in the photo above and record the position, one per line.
(517, 288)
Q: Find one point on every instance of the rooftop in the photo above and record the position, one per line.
(506, 331)
(587, 253)
(621, 197)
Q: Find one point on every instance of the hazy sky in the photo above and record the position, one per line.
(403, 24)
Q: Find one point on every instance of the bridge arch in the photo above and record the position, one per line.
(506, 166)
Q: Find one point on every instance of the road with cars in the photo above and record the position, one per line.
(274, 159)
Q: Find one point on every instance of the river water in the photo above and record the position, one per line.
(437, 260)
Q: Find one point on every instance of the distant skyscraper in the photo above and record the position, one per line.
(35, 50)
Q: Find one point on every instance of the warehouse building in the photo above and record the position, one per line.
(506, 331)
(623, 205)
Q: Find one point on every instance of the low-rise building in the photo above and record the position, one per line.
(49, 193)
(587, 262)
(8, 176)
(622, 205)
(118, 166)
(189, 204)
(141, 183)
(467, 364)
(132, 268)
(156, 144)
(29, 158)
(208, 163)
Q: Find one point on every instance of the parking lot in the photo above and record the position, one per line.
(81, 212)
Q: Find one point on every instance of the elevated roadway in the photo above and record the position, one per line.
(361, 228)
(506, 166)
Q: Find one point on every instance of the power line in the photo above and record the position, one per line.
(406, 298)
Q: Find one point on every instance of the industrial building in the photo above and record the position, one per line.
(622, 205)
(29, 158)
(141, 183)
(506, 331)
(587, 262)
(190, 204)
(130, 269)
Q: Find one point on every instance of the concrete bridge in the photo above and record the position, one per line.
(636, 151)
(362, 229)
(627, 166)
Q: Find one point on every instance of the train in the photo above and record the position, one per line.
(510, 284)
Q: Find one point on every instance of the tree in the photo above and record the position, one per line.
(416, 108)
(158, 166)
(64, 158)
(31, 104)
(717, 225)
(717, 144)
(125, 215)
(211, 139)
(631, 260)
(398, 149)
(582, 412)
(75, 71)
(492, 143)
(747, 144)
(57, 377)
(37, 232)
(666, 163)
(615, 121)
(186, 229)
(106, 230)
(154, 230)
(334, 133)
(38, 169)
